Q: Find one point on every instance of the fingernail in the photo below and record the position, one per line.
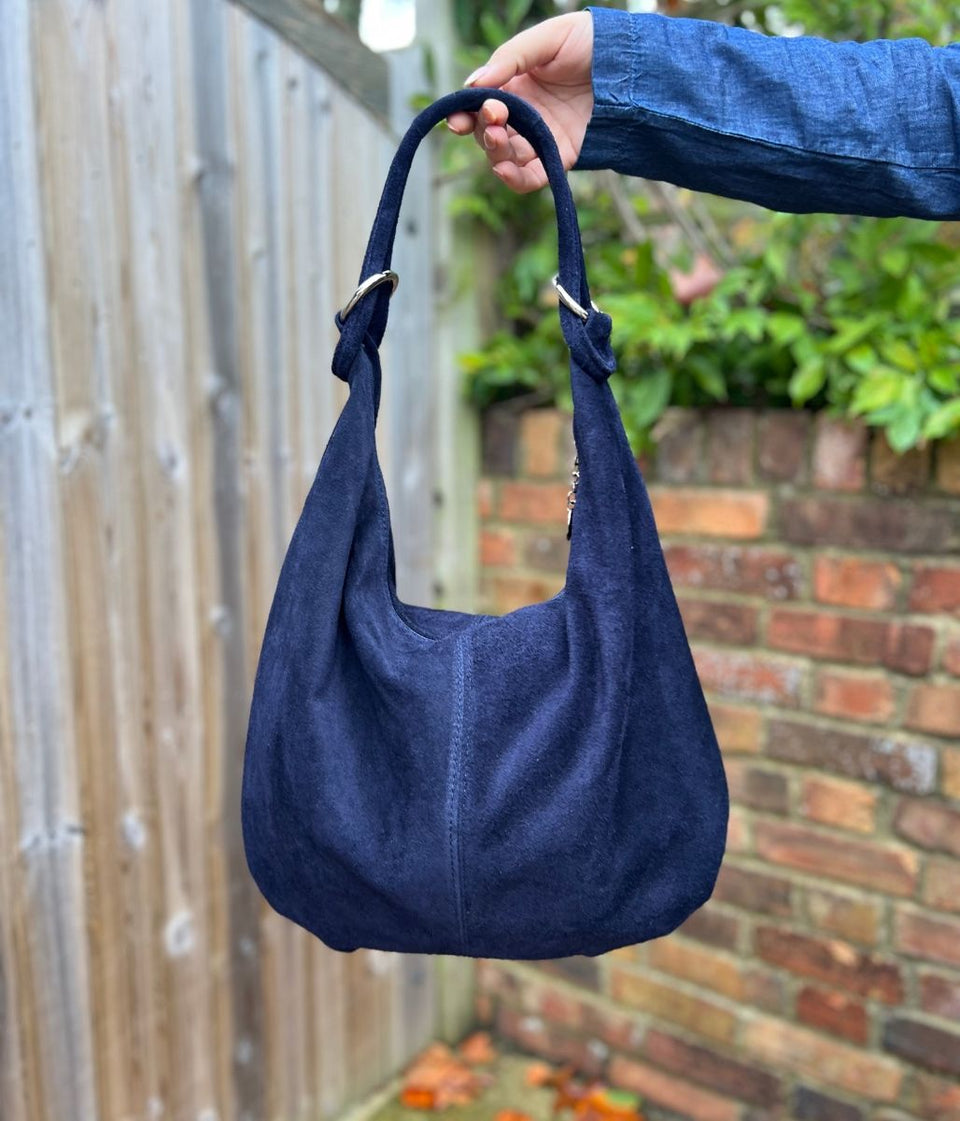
(475, 75)
(488, 141)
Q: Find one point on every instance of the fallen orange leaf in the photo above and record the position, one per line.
(511, 1115)
(477, 1048)
(539, 1074)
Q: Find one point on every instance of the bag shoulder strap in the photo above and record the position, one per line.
(587, 338)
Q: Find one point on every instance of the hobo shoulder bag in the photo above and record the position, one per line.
(531, 785)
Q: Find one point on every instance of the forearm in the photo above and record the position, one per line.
(798, 124)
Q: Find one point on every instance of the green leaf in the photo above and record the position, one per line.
(895, 261)
(808, 380)
(880, 388)
(945, 379)
(645, 398)
(904, 432)
(900, 354)
(943, 422)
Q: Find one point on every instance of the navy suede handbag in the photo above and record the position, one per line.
(531, 785)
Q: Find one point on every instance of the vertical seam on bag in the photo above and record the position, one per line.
(453, 797)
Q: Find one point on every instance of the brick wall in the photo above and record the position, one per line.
(819, 579)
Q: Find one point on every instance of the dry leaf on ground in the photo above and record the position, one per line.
(438, 1078)
(477, 1048)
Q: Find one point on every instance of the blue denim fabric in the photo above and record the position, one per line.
(794, 124)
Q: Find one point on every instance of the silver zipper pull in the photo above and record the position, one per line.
(572, 494)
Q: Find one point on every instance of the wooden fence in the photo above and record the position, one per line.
(184, 202)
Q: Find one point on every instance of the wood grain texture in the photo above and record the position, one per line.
(306, 26)
(179, 228)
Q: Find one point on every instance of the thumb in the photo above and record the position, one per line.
(524, 52)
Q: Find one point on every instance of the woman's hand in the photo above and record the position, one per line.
(549, 66)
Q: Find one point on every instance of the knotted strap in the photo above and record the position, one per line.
(588, 339)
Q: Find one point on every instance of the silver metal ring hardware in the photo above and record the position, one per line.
(568, 301)
(372, 281)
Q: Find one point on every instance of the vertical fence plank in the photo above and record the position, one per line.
(47, 910)
(187, 202)
(215, 201)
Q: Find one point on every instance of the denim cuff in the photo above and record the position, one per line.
(615, 70)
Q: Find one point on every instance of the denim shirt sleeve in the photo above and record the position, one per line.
(794, 124)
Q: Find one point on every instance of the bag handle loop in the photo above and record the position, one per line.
(586, 332)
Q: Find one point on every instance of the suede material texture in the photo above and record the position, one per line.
(533, 785)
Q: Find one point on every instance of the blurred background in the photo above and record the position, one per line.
(186, 189)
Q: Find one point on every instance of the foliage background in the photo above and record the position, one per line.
(855, 315)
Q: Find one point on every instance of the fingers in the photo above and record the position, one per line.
(527, 50)
(522, 179)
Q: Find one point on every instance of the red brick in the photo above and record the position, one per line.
(738, 831)
(910, 649)
(923, 1044)
(950, 780)
(485, 498)
(940, 995)
(548, 552)
(711, 512)
(935, 1099)
(934, 709)
(513, 592)
(715, 927)
(554, 1006)
(887, 525)
(695, 963)
(812, 1105)
(951, 657)
(764, 988)
(540, 442)
(854, 696)
(616, 1029)
(541, 503)
(835, 802)
(679, 439)
(922, 935)
(483, 1008)
(782, 446)
(893, 473)
(747, 569)
(881, 867)
(674, 1094)
(935, 589)
(834, 1012)
(497, 547)
(730, 446)
(754, 891)
(928, 824)
(721, 1072)
(738, 729)
(853, 582)
(786, 1046)
(948, 465)
(499, 426)
(853, 918)
(533, 1034)
(719, 622)
(581, 971)
(839, 454)
(757, 787)
(906, 765)
(848, 638)
(495, 978)
(667, 1002)
(763, 678)
(837, 963)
